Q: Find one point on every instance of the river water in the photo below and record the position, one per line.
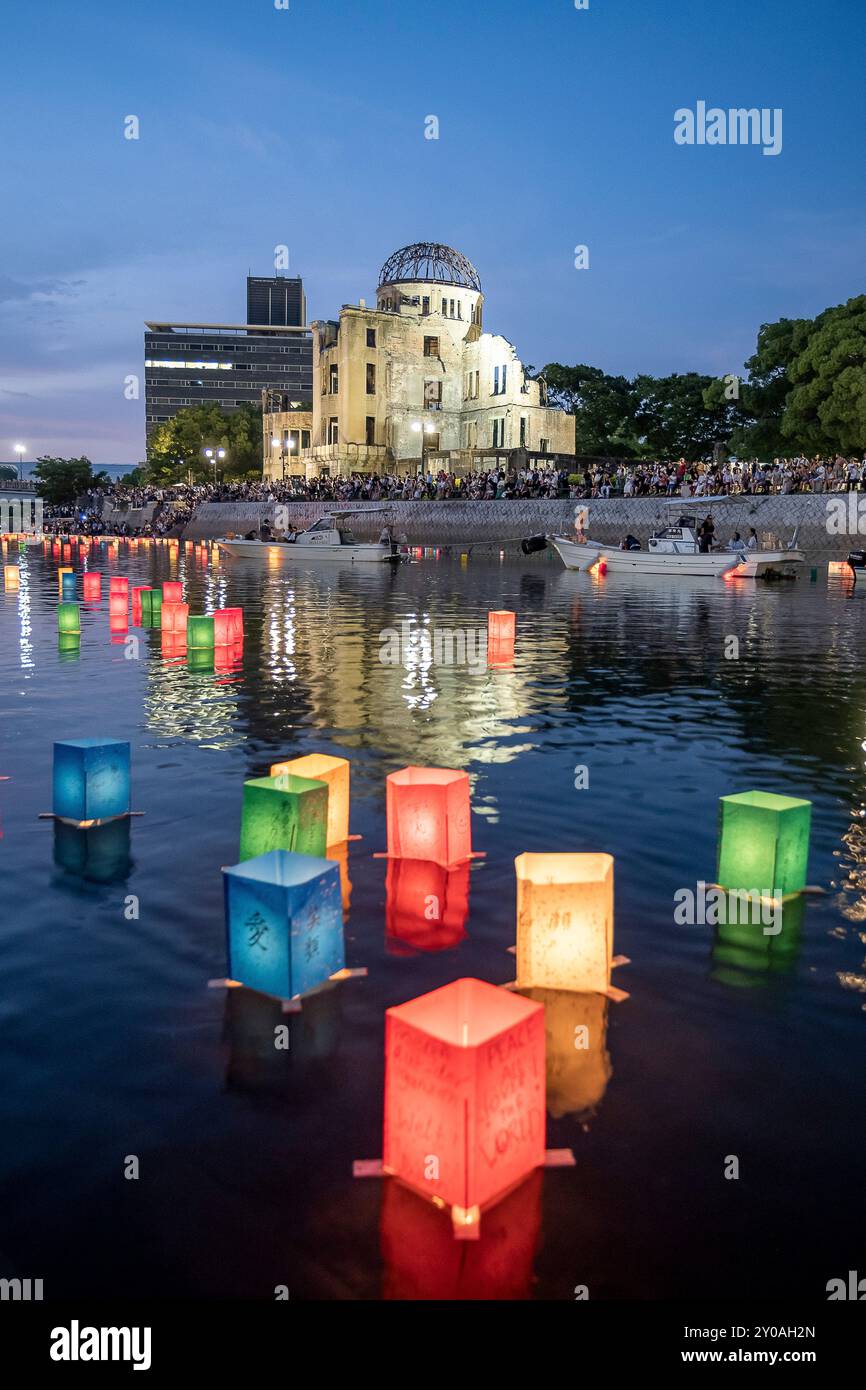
(114, 1047)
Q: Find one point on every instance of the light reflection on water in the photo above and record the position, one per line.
(114, 1045)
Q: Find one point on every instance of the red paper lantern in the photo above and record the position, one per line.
(426, 905)
(92, 587)
(118, 606)
(172, 592)
(428, 815)
(464, 1095)
(174, 616)
(228, 626)
(118, 622)
(136, 602)
(228, 658)
(501, 626)
(118, 584)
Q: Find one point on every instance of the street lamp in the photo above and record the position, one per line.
(213, 455)
(285, 446)
(20, 450)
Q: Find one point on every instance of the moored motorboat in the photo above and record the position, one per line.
(327, 539)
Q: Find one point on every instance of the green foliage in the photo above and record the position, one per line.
(603, 407)
(825, 409)
(7, 473)
(176, 448)
(60, 481)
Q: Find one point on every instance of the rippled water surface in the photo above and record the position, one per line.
(113, 1044)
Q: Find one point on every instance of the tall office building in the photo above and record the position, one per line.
(231, 364)
(276, 300)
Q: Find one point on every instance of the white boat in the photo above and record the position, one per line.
(327, 539)
(675, 550)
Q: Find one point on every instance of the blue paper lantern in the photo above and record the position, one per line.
(91, 780)
(68, 591)
(284, 922)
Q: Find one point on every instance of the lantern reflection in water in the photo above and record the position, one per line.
(464, 1095)
(256, 1065)
(422, 1261)
(284, 923)
(763, 843)
(64, 570)
(564, 921)
(119, 584)
(428, 815)
(173, 645)
(284, 813)
(745, 949)
(578, 1062)
(151, 608)
(98, 855)
(118, 608)
(426, 905)
(334, 772)
(91, 780)
(229, 658)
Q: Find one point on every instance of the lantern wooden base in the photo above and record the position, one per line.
(465, 1221)
(87, 824)
(295, 1005)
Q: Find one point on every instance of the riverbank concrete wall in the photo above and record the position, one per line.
(827, 523)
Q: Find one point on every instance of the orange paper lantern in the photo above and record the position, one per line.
(564, 921)
(11, 577)
(335, 773)
(174, 616)
(228, 626)
(92, 586)
(464, 1094)
(172, 592)
(428, 814)
(501, 626)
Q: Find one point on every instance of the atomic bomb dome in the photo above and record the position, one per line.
(428, 262)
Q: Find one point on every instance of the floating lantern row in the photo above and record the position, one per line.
(284, 918)
(91, 780)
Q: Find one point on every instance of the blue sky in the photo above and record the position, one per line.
(305, 126)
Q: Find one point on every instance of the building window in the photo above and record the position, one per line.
(305, 439)
(371, 429)
(523, 431)
(425, 304)
(371, 378)
(333, 430)
(499, 432)
(500, 376)
(544, 446)
(334, 379)
(433, 395)
(431, 347)
(371, 337)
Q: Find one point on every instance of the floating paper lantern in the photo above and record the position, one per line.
(64, 570)
(750, 940)
(118, 623)
(564, 921)
(68, 588)
(173, 643)
(172, 591)
(287, 813)
(91, 780)
(228, 625)
(501, 627)
(68, 618)
(136, 602)
(334, 772)
(119, 584)
(199, 631)
(174, 617)
(428, 814)
(763, 843)
(426, 905)
(118, 606)
(92, 586)
(151, 607)
(11, 577)
(284, 923)
(464, 1094)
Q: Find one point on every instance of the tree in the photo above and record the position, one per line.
(176, 448)
(673, 419)
(825, 409)
(603, 407)
(61, 481)
(763, 397)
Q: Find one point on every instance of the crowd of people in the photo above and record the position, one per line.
(169, 508)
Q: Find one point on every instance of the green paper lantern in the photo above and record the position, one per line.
(284, 812)
(151, 607)
(68, 618)
(199, 633)
(763, 843)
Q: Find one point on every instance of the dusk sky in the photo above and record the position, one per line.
(305, 126)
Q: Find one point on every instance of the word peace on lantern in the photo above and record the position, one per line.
(334, 772)
(284, 920)
(564, 921)
(464, 1094)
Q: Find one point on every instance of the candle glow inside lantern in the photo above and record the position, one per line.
(119, 584)
(284, 923)
(564, 921)
(199, 631)
(464, 1094)
(288, 813)
(68, 588)
(501, 627)
(118, 607)
(64, 570)
(763, 843)
(136, 602)
(68, 618)
(92, 583)
(334, 772)
(174, 617)
(428, 815)
(11, 577)
(228, 626)
(91, 780)
(172, 591)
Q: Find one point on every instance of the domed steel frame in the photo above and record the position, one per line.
(429, 262)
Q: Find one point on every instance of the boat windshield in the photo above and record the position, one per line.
(346, 538)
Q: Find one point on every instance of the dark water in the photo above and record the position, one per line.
(113, 1044)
